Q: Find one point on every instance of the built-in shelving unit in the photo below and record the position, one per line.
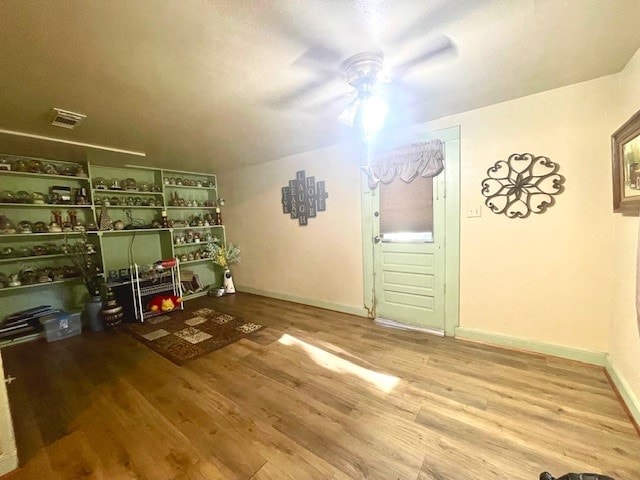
(188, 198)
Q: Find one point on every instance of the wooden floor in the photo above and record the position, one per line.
(316, 395)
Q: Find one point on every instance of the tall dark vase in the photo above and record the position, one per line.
(91, 314)
(112, 312)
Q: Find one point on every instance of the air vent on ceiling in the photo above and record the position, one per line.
(66, 119)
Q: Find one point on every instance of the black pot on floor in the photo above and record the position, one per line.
(575, 476)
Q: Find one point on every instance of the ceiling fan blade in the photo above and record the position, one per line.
(442, 47)
(332, 103)
(320, 56)
(298, 95)
(348, 115)
(436, 19)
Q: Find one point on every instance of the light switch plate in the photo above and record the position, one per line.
(474, 212)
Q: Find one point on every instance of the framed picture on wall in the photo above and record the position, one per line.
(625, 156)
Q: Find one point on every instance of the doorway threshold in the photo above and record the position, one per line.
(386, 322)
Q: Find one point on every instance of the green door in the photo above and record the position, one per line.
(408, 232)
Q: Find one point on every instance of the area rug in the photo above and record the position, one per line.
(182, 335)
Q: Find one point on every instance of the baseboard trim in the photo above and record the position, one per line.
(585, 356)
(338, 307)
(624, 391)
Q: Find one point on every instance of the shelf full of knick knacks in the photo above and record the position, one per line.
(45, 202)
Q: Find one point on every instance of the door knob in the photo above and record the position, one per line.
(376, 239)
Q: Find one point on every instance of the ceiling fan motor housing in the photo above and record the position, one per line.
(361, 70)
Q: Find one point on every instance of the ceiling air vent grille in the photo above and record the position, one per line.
(66, 119)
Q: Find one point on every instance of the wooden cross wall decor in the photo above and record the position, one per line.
(304, 198)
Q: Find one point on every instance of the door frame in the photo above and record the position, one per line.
(451, 137)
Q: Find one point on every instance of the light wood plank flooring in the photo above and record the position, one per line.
(316, 395)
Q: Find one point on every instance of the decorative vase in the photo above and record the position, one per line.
(112, 312)
(228, 282)
(91, 314)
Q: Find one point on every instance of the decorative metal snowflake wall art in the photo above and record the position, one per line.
(522, 185)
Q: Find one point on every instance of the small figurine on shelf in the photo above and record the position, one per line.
(73, 217)
(164, 221)
(105, 220)
(218, 216)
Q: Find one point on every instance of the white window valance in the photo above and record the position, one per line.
(425, 159)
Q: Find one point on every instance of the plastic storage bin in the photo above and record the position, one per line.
(61, 325)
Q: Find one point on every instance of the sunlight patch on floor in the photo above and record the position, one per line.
(332, 362)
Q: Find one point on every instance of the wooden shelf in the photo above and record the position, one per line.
(134, 230)
(34, 285)
(200, 260)
(30, 235)
(43, 175)
(190, 208)
(132, 193)
(189, 187)
(31, 257)
(191, 244)
(43, 205)
(197, 228)
(131, 207)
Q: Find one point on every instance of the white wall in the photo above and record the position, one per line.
(546, 278)
(320, 263)
(625, 338)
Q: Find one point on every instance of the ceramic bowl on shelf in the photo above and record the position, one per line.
(115, 184)
(20, 165)
(144, 186)
(25, 227)
(6, 226)
(27, 276)
(38, 198)
(67, 170)
(80, 172)
(35, 166)
(24, 252)
(100, 183)
(40, 227)
(23, 197)
(7, 252)
(49, 169)
(7, 196)
(129, 184)
(42, 275)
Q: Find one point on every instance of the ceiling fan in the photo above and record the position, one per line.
(363, 72)
(366, 73)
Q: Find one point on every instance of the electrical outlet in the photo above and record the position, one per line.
(474, 212)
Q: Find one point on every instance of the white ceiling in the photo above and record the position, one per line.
(200, 84)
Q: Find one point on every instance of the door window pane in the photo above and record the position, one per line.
(406, 211)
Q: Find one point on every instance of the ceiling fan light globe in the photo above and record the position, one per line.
(372, 115)
(348, 115)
